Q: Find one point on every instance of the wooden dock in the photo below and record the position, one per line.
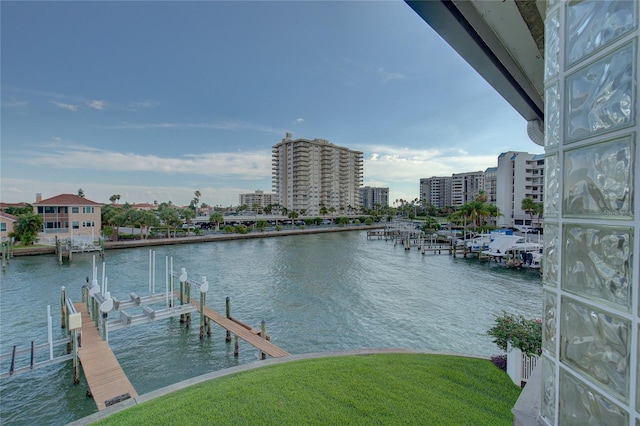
(107, 382)
(242, 332)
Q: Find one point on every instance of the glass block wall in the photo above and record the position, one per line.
(591, 290)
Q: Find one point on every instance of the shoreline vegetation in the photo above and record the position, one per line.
(123, 244)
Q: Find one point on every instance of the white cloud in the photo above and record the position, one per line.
(221, 125)
(69, 107)
(95, 104)
(299, 120)
(389, 75)
(241, 165)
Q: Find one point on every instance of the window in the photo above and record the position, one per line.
(3, 227)
(88, 224)
(75, 224)
(75, 209)
(87, 210)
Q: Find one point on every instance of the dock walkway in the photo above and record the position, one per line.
(242, 332)
(106, 379)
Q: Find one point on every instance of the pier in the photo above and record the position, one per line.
(108, 384)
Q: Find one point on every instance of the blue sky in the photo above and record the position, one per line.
(155, 100)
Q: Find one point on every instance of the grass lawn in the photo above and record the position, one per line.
(384, 389)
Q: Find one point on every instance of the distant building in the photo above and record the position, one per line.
(520, 175)
(490, 182)
(258, 198)
(308, 174)
(68, 215)
(372, 197)
(436, 191)
(465, 187)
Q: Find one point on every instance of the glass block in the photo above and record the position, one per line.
(597, 344)
(548, 401)
(549, 322)
(598, 263)
(582, 405)
(591, 25)
(552, 115)
(552, 185)
(551, 255)
(638, 376)
(601, 97)
(598, 180)
(552, 46)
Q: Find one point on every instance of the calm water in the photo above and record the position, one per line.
(317, 293)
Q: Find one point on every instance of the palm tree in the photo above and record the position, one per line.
(114, 198)
(216, 218)
(81, 192)
(293, 215)
(539, 211)
(147, 219)
(528, 206)
(188, 214)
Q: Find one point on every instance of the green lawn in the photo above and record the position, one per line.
(381, 389)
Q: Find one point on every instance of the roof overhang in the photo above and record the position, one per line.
(502, 40)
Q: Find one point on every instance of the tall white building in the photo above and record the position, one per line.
(256, 199)
(465, 187)
(310, 173)
(519, 175)
(436, 191)
(373, 196)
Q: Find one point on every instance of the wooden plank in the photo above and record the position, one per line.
(262, 344)
(105, 377)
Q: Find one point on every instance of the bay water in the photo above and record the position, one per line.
(317, 293)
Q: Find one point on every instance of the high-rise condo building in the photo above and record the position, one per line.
(465, 187)
(436, 191)
(309, 174)
(520, 175)
(373, 197)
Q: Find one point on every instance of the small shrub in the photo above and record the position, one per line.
(524, 334)
(500, 361)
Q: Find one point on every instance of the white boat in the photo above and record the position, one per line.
(501, 244)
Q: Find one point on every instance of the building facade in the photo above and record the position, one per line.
(436, 191)
(374, 197)
(465, 187)
(519, 175)
(69, 215)
(490, 185)
(7, 225)
(309, 174)
(257, 200)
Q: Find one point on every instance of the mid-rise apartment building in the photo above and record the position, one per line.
(520, 175)
(256, 199)
(308, 174)
(436, 191)
(374, 197)
(465, 187)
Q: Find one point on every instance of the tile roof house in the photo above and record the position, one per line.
(68, 215)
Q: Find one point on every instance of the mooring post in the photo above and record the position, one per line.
(263, 334)
(188, 297)
(203, 294)
(63, 307)
(236, 346)
(228, 306)
(76, 371)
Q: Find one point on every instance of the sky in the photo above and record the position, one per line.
(154, 100)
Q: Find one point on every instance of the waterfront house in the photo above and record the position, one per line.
(68, 215)
(7, 225)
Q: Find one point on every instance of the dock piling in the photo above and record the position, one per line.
(263, 334)
(228, 309)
